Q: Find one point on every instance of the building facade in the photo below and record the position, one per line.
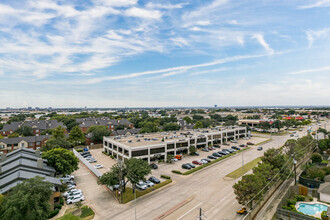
(159, 145)
(10, 144)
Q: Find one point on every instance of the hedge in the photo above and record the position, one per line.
(165, 177)
(61, 200)
(212, 162)
(176, 171)
(53, 213)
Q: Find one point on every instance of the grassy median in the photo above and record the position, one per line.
(244, 169)
(263, 142)
(129, 195)
(208, 164)
(272, 133)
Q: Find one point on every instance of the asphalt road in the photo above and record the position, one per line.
(205, 189)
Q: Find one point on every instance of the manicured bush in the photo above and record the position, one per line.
(299, 198)
(176, 171)
(165, 177)
(310, 198)
(53, 213)
(61, 201)
(291, 202)
(86, 211)
(58, 206)
(316, 173)
(105, 153)
(316, 158)
(80, 150)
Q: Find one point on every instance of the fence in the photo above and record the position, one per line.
(87, 164)
(287, 214)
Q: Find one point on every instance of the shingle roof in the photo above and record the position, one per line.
(29, 139)
(324, 188)
(38, 124)
(125, 131)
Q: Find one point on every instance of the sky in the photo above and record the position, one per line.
(164, 53)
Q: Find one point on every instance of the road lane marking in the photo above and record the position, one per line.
(189, 211)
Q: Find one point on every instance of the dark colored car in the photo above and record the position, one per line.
(216, 155)
(225, 151)
(186, 166)
(259, 148)
(211, 148)
(153, 166)
(85, 152)
(205, 149)
(242, 145)
(231, 150)
(86, 155)
(211, 156)
(226, 144)
(250, 143)
(194, 154)
(191, 165)
(221, 153)
(217, 146)
(154, 180)
(235, 148)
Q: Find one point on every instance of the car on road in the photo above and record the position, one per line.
(198, 162)
(154, 180)
(217, 146)
(216, 155)
(291, 135)
(296, 135)
(259, 148)
(250, 143)
(74, 199)
(65, 194)
(242, 211)
(153, 166)
(186, 166)
(149, 183)
(205, 149)
(235, 148)
(212, 157)
(98, 166)
(141, 185)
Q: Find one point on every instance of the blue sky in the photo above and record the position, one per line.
(130, 53)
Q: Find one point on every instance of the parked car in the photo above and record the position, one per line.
(233, 141)
(226, 144)
(296, 135)
(225, 151)
(235, 148)
(222, 153)
(174, 160)
(70, 187)
(98, 166)
(194, 154)
(71, 177)
(191, 165)
(242, 145)
(74, 193)
(250, 143)
(216, 155)
(208, 160)
(149, 183)
(211, 148)
(154, 180)
(217, 146)
(75, 199)
(86, 155)
(212, 157)
(65, 194)
(71, 182)
(300, 129)
(198, 162)
(205, 149)
(153, 166)
(245, 138)
(85, 152)
(259, 148)
(141, 185)
(186, 166)
(291, 135)
(231, 150)
(91, 160)
(204, 161)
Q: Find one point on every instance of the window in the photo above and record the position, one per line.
(157, 150)
(30, 144)
(22, 144)
(139, 153)
(11, 132)
(37, 130)
(38, 142)
(2, 146)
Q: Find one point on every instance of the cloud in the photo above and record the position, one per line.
(165, 6)
(143, 13)
(312, 35)
(321, 69)
(117, 3)
(203, 23)
(234, 22)
(208, 71)
(317, 4)
(262, 42)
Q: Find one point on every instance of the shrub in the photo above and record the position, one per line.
(80, 150)
(327, 170)
(61, 201)
(86, 211)
(310, 198)
(112, 157)
(323, 214)
(53, 213)
(291, 202)
(176, 171)
(165, 177)
(58, 206)
(299, 198)
(316, 173)
(316, 158)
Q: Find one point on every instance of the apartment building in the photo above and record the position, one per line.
(10, 144)
(111, 124)
(157, 145)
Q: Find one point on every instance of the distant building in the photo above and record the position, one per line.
(111, 124)
(10, 144)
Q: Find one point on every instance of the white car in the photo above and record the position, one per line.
(149, 183)
(233, 141)
(296, 135)
(174, 160)
(141, 185)
(75, 199)
(70, 187)
(98, 166)
(71, 191)
(76, 193)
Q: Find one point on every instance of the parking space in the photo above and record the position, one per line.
(102, 159)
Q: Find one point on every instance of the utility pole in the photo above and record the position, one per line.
(134, 202)
(201, 214)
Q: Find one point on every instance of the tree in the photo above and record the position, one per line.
(28, 200)
(64, 161)
(265, 170)
(149, 127)
(248, 188)
(136, 170)
(13, 135)
(76, 136)
(322, 130)
(278, 125)
(192, 150)
(59, 132)
(98, 132)
(171, 127)
(315, 173)
(198, 117)
(324, 144)
(187, 119)
(56, 143)
(198, 124)
(273, 157)
(316, 158)
(264, 125)
(25, 131)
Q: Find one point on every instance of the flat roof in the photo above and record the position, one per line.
(160, 138)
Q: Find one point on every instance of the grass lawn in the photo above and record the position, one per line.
(268, 133)
(86, 214)
(129, 195)
(242, 170)
(263, 142)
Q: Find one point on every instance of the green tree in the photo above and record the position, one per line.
(324, 144)
(278, 125)
(76, 136)
(136, 170)
(198, 124)
(316, 158)
(98, 132)
(264, 125)
(64, 161)
(56, 143)
(273, 157)
(315, 173)
(13, 135)
(198, 117)
(25, 131)
(171, 127)
(248, 188)
(59, 132)
(187, 119)
(265, 170)
(322, 130)
(192, 150)
(149, 127)
(28, 200)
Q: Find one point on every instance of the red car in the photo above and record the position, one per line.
(197, 162)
